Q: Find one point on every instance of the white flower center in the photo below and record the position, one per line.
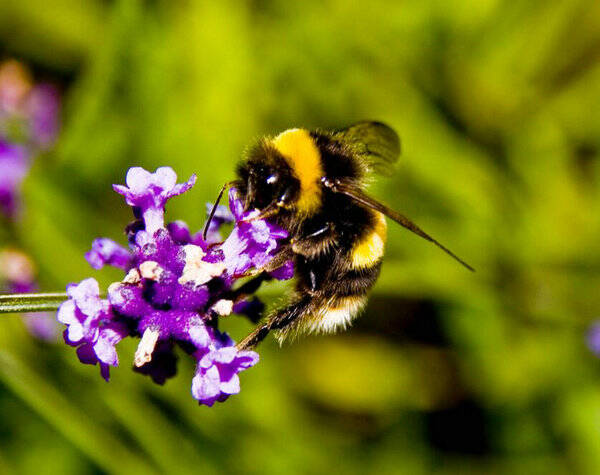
(196, 270)
(133, 277)
(150, 270)
(223, 307)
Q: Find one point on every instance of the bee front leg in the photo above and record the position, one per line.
(282, 319)
(284, 255)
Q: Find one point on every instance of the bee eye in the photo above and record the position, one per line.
(272, 179)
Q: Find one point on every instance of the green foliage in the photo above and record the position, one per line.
(448, 371)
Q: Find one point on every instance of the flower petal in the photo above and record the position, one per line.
(107, 252)
(206, 385)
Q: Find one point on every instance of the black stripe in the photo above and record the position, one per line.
(337, 159)
(355, 282)
(326, 279)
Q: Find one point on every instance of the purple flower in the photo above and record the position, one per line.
(217, 371)
(91, 326)
(107, 252)
(179, 232)
(150, 192)
(176, 287)
(14, 164)
(165, 292)
(252, 243)
(42, 110)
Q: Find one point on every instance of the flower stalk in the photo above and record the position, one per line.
(38, 302)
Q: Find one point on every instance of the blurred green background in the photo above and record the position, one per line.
(447, 371)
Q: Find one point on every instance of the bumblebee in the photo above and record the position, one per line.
(312, 184)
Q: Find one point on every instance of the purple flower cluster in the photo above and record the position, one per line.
(28, 125)
(176, 286)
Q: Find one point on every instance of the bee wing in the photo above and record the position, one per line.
(376, 143)
(362, 198)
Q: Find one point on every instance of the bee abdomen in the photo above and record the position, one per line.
(336, 315)
(340, 280)
(369, 249)
(348, 290)
(356, 282)
(339, 301)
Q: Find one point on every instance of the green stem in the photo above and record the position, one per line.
(19, 303)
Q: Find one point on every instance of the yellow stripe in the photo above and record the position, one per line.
(370, 249)
(303, 156)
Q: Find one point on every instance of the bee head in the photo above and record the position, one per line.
(266, 180)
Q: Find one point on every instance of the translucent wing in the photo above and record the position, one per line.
(376, 143)
(365, 200)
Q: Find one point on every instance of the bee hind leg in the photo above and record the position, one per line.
(282, 319)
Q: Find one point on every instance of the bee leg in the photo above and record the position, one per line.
(259, 276)
(284, 255)
(280, 320)
(250, 273)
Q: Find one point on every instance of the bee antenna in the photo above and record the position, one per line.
(214, 208)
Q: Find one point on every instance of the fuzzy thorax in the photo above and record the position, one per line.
(302, 155)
